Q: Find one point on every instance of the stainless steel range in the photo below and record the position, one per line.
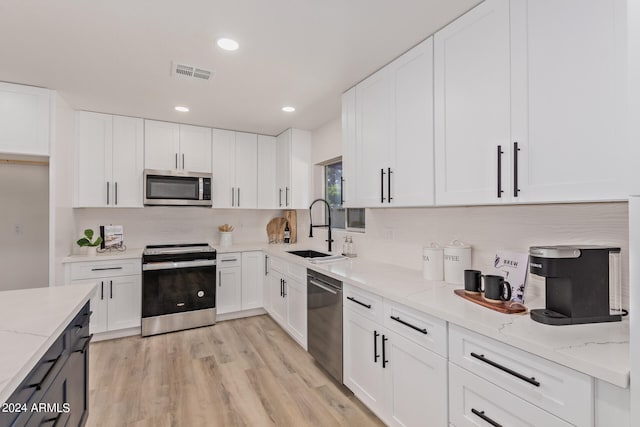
(178, 287)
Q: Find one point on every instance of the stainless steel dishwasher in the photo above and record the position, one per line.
(324, 322)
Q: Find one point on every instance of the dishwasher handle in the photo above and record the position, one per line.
(321, 286)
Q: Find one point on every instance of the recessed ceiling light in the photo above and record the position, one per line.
(182, 109)
(228, 44)
(288, 109)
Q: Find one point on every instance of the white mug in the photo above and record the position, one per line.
(457, 259)
(432, 258)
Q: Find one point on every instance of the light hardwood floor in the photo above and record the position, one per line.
(245, 372)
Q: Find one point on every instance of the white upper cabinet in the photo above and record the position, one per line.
(472, 106)
(293, 169)
(529, 108)
(109, 161)
(171, 146)
(267, 188)
(569, 99)
(24, 120)
(235, 169)
(388, 134)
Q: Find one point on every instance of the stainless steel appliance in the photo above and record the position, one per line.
(324, 322)
(178, 287)
(578, 283)
(177, 188)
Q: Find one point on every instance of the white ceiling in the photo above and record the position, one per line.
(115, 56)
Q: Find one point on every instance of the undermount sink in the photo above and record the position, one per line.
(308, 254)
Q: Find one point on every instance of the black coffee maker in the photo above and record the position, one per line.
(577, 281)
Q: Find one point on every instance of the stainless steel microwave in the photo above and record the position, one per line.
(176, 188)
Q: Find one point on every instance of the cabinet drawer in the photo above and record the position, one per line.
(100, 269)
(363, 302)
(231, 259)
(474, 401)
(298, 272)
(78, 330)
(555, 388)
(425, 330)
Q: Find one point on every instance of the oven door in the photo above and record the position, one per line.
(177, 287)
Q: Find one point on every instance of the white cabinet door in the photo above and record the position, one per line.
(252, 279)
(266, 282)
(161, 145)
(246, 170)
(24, 120)
(278, 305)
(349, 148)
(267, 187)
(300, 176)
(570, 98)
(472, 106)
(223, 152)
(362, 352)
(415, 383)
(283, 167)
(98, 305)
(229, 292)
(412, 180)
(374, 138)
(128, 162)
(124, 303)
(296, 297)
(94, 135)
(195, 149)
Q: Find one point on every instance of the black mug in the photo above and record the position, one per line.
(473, 281)
(495, 288)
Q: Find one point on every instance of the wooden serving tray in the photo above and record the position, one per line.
(507, 307)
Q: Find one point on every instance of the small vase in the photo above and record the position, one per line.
(92, 250)
(226, 238)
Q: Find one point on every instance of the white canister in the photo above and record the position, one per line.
(457, 259)
(226, 238)
(432, 262)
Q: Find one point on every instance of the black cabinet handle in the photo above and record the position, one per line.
(485, 418)
(389, 198)
(101, 291)
(266, 265)
(86, 344)
(281, 287)
(500, 152)
(518, 375)
(106, 268)
(341, 191)
(286, 196)
(111, 289)
(375, 346)
(385, 362)
(397, 319)
(107, 192)
(233, 196)
(381, 185)
(516, 190)
(176, 160)
(52, 420)
(280, 197)
(39, 386)
(219, 278)
(358, 302)
(284, 288)
(229, 260)
(116, 189)
(238, 196)
(183, 161)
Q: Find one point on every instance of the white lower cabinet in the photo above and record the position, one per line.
(229, 290)
(401, 381)
(253, 269)
(240, 281)
(116, 304)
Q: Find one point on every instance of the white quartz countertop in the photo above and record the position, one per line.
(597, 349)
(106, 256)
(30, 321)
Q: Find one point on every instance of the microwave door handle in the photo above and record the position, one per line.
(200, 188)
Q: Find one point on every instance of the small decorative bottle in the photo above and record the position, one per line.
(287, 233)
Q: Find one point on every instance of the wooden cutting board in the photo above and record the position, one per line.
(275, 227)
(292, 218)
(502, 306)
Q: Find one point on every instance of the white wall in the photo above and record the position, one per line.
(62, 173)
(326, 141)
(24, 202)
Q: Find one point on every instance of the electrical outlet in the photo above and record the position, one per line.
(18, 228)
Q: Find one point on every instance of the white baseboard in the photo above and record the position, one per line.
(240, 314)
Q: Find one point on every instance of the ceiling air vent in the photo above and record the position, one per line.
(189, 71)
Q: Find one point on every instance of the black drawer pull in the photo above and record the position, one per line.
(385, 362)
(375, 346)
(481, 358)
(86, 344)
(484, 417)
(106, 268)
(51, 420)
(358, 302)
(54, 362)
(397, 319)
(229, 259)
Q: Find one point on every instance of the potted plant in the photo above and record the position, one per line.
(88, 242)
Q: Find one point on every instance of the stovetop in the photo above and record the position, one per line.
(185, 248)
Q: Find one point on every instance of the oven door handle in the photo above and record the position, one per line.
(180, 264)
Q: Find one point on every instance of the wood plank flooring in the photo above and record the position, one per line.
(245, 372)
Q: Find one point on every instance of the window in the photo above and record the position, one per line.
(342, 218)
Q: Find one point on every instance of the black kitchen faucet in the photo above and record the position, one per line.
(328, 225)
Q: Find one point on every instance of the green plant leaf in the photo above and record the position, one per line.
(89, 233)
(83, 242)
(97, 242)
